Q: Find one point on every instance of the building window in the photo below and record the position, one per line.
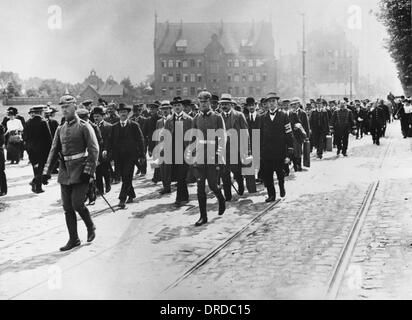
(243, 91)
(250, 63)
(251, 91)
(199, 63)
(185, 91)
(171, 91)
(164, 64)
(214, 67)
(236, 91)
(264, 77)
(230, 63)
(192, 91)
(229, 78)
(178, 64)
(185, 78)
(170, 77)
(243, 63)
(192, 77)
(244, 78)
(164, 91)
(178, 77)
(199, 77)
(170, 63)
(258, 77)
(236, 78)
(192, 63)
(250, 77)
(178, 91)
(185, 64)
(164, 77)
(229, 90)
(237, 64)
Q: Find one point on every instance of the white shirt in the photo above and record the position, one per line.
(253, 116)
(14, 125)
(123, 123)
(272, 116)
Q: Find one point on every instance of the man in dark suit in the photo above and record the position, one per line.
(276, 143)
(103, 168)
(177, 124)
(38, 140)
(50, 114)
(235, 122)
(253, 120)
(319, 124)
(127, 147)
(377, 121)
(342, 123)
(299, 120)
(141, 120)
(150, 128)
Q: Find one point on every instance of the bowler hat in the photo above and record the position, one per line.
(123, 106)
(214, 98)
(176, 100)
(98, 110)
(250, 101)
(37, 109)
(272, 95)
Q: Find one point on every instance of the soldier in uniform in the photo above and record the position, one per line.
(207, 168)
(319, 124)
(138, 117)
(37, 137)
(342, 123)
(376, 122)
(103, 169)
(3, 178)
(76, 144)
(236, 121)
(276, 143)
(177, 124)
(127, 147)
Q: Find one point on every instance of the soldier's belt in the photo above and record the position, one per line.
(206, 142)
(75, 156)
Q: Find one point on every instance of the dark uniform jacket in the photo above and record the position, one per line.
(275, 136)
(342, 121)
(53, 124)
(319, 122)
(186, 122)
(38, 139)
(127, 142)
(210, 121)
(77, 143)
(377, 117)
(150, 127)
(237, 122)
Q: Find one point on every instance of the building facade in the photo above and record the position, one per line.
(236, 58)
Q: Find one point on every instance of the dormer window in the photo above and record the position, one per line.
(181, 45)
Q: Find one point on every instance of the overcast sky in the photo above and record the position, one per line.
(116, 36)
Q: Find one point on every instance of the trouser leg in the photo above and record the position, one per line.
(211, 176)
(77, 198)
(166, 175)
(70, 214)
(268, 171)
(126, 170)
(99, 178)
(345, 141)
(338, 139)
(201, 192)
(182, 194)
(227, 181)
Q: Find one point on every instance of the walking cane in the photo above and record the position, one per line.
(104, 198)
(234, 187)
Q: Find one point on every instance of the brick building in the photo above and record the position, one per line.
(236, 58)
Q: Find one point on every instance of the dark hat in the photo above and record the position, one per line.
(312, 101)
(123, 106)
(87, 102)
(67, 99)
(154, 105)
(346, 99)
(98, 110)
(12, 110)
(272, 95)
(332, 101)
(37, 109)
(176, 100)
(319, 100)
(82, 112)
(214, 98)
(357, 101)
(250, 101)
(262, 100)
(186, 102)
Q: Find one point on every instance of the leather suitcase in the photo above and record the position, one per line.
(329, 143)
(306, 154)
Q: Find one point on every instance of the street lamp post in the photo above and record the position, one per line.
(303, 60)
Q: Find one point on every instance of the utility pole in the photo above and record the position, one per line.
(350, 77)
(303, 61)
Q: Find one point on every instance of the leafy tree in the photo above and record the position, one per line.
(32, 92)
(396, 16)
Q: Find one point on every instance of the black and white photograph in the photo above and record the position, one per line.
(205, 150)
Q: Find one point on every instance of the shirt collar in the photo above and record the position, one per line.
(207, 113)
(74, 120)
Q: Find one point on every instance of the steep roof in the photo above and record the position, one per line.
(111, 90)
(257, 36)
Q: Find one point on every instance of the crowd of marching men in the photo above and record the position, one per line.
(123, 139)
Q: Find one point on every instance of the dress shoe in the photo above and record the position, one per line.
(165, 191)
(91, 203)
(200, 222)
(91, 234)
(228, 199)
(70, 245)
(338, 152)
(282, 191)
(180, 203)
(122, 204)
(129, 200)
(108, 188)
(299, 168)
(271, 199)
(344, 154)
(3, 194)
(222, 207)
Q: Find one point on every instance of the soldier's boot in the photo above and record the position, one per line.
(202, 208)
(241, 186)
(221, 199)
(271, 194)
(71, 224)
(87, 219)
(282, 189)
